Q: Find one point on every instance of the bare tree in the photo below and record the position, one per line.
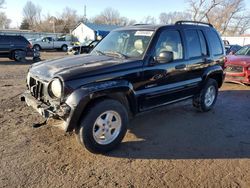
(112, 16)
(32, 13)
(4, 21)
(172, 17)
(109, 16)
(149, 20)
(1, 3)
(228, 16)
(69, 18)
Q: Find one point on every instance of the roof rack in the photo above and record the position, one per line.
(193, 22)
(139, 24)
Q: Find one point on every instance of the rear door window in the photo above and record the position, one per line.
(193, 43)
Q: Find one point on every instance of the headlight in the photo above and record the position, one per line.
(55, 88)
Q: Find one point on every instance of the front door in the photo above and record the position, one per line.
(171, 81)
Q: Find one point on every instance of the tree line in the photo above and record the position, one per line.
(4, 21)
(229, 17)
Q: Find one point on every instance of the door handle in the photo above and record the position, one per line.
(157, 77)
(182, 66)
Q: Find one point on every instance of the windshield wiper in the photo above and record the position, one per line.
(120, 55)
(100, 52)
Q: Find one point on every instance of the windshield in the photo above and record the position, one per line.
(125, 44)
(244, 51)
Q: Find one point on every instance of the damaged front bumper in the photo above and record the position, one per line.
(60, 112)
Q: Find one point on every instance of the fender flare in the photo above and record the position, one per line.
(214, 71)
(80, 98)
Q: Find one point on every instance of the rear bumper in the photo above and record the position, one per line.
(32, 53)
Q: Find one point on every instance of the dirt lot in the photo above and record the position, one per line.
(171, 147)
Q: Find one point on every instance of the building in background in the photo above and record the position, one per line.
(90, 31)
(240, 40)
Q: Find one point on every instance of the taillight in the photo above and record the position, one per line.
(225, 63)
(225, 60)
(29, 46)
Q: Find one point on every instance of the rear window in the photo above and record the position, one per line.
(215, 43)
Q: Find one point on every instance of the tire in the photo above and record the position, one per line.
(206, 99)
(64, 48)
(37, 47)
(36, 59)
(100, 137)
(17, 57)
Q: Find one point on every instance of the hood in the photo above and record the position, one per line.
(75, 66)
(238, 60)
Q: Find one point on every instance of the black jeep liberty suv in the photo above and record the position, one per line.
(132, 70)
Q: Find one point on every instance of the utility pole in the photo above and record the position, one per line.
(85, 14)
(52, 21)
(54, 28)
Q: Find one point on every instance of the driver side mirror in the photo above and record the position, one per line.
(165, 57)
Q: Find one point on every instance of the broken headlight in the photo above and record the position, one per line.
(28, 79)
(55, 88)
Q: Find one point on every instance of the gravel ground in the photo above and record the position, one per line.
(175, 146)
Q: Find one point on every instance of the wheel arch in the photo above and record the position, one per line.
(215, 73)
(121, 92)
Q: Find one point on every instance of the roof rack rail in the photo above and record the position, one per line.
(192, 22)
(140, 24)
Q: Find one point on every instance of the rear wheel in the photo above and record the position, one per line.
(104, 126)
(19, 55)
(206, 99)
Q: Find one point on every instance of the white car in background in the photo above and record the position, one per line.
(49, 43)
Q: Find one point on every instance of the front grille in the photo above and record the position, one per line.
(234, 68)
(36, 88)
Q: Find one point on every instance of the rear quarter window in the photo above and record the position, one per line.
(215, 42)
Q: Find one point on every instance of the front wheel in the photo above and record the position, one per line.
(37, 47)
(104, 126)
(64, 48)
(206, 99)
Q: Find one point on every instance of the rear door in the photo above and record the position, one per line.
(47, 43)
(198, 57)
